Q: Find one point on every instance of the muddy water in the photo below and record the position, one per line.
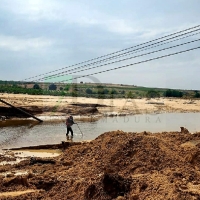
(42, 153)
(30, 133)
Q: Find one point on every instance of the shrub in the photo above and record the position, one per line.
(52, 87)
(173, 93)
(152, 94)
(36, 86)
(88, 91)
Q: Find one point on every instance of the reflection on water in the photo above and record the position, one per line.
(23, 122)
(31, 133)
(42, 153)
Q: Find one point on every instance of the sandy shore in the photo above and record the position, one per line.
(57, 106)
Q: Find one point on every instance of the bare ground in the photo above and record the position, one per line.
(116, 165)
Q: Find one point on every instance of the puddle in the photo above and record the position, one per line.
(14, 173)
(20, 173)
(12, 162)
(20, 155)
(42, 153)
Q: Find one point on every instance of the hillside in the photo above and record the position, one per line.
(95, 90)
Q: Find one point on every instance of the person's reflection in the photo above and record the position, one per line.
(70, 138)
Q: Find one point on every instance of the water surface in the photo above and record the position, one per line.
(30, 133)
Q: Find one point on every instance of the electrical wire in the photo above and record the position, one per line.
(138, 56)
(113, 52)
(68, 72)
(144, 61)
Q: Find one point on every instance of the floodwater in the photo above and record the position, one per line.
(22, 133)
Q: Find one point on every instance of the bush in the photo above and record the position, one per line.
(67, 87)
(197, 94)
(173, 93)
(100, 86)
(36, 86)
(88, 91)
(113, 91)
(152, 94)
(130, 94)
(52, 87)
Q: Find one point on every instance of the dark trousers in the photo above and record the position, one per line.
(69, 129)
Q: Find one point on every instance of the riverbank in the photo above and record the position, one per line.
(41, 105)
(115, 165)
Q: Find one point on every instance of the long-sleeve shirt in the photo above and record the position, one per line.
(69, 122)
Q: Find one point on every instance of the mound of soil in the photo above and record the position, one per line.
(116, 165)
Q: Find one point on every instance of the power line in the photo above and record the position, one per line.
(113, 52)
(126, 53)
(138, 56)
(123, 54)
(148, 60)
(157, 45)
(125, 58)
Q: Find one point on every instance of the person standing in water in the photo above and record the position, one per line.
(69, 123)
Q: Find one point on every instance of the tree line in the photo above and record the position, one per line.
(98, 91)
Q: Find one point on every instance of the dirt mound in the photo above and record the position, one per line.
(116, 165)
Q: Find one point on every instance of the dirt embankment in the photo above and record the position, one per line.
(116, 165)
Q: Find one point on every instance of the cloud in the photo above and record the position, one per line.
(61, 33)
(18, 44)
(68, 13)
(32, 10)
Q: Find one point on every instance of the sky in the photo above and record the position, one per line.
(39, 36)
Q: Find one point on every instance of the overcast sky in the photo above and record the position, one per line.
(38, 36)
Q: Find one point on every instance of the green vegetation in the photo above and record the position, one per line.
(197, 94)
(173, 93)
(52, 87)
(36, 86)
(130, 95)
(93, 90)
(88, 91)
(153, 94)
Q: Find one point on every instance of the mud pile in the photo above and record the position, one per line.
(116, 165)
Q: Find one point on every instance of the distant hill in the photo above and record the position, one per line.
(95, 90)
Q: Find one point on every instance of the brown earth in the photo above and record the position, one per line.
(116, 165)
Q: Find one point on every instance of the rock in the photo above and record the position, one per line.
(184, 130)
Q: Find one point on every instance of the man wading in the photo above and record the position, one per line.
(69, 123)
